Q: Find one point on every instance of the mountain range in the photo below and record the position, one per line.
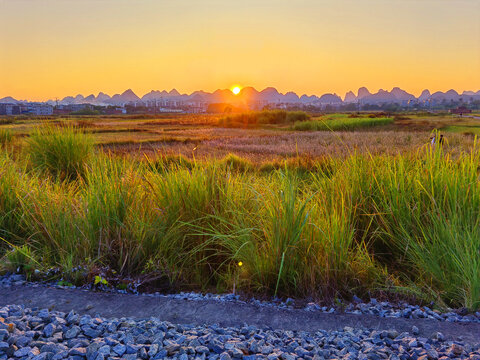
(267, 95)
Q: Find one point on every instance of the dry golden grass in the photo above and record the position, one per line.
(199, 136)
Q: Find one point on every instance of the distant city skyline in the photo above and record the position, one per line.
(55, 48)
(141, 94)
(249, 94)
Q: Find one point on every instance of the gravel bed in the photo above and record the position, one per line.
(41, 334)
(383, 309)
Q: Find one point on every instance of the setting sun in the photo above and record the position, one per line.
(236, 90)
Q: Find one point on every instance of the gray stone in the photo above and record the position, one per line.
(72, 332)
(24, 351)
(119, 349)
(22, 341)
(49, 330)
(225, 356)
(79, 351)
(202, 349)
(153, 350)
(53, 348)
(237, 353)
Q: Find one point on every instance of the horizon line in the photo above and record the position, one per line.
(355, 92)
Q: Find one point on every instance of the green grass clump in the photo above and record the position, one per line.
(14, 184)
(341, 123)
(164, 162)
(265, 117)
(236, 163)
(6, 137)
(429, 214)
(61, 151)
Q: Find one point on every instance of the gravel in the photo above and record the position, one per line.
(383, 309)
(23, 336)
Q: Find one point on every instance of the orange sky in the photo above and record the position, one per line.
(54, 48)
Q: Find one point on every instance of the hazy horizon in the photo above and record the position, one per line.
(140, 94)
(56, 48)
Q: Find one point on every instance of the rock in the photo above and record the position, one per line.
(72, 332)
(53, 348)
(119, 349)
(24, 351)
(153, 350)
(143, 354)
(237, 353)
(44, 314)
(22, 341)
(78, 351)
(225, 356)
(171, 347)
(415, 330)
(49, 330)
(201, 349)
(72, 318)
(105, 350)
(131, 349)
(455, 350)
(43, 356)
(286, 356)
(438, 336)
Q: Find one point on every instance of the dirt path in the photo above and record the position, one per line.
(224, 314)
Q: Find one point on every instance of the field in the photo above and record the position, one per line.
(181, 202)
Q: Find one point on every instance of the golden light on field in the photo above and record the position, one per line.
(236, 90)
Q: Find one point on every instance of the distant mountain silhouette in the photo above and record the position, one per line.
(363, 93)
(401, 94)
(425, 95)
(8, 100)
(350, 97)
(102, 98)
(126, 97)
(249, 96)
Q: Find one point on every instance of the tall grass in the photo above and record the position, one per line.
(61, 151)
(429, 213)
(336, 228)
(6, 137)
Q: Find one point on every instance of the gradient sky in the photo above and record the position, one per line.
(54, 48)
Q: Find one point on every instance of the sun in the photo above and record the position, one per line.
(236, 90)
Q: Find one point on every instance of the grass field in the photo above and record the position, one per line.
(325, 214)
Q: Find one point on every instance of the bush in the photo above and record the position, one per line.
(61, 151)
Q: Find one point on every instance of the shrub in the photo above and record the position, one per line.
(63, 152)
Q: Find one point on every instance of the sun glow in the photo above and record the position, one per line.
(236, 90)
